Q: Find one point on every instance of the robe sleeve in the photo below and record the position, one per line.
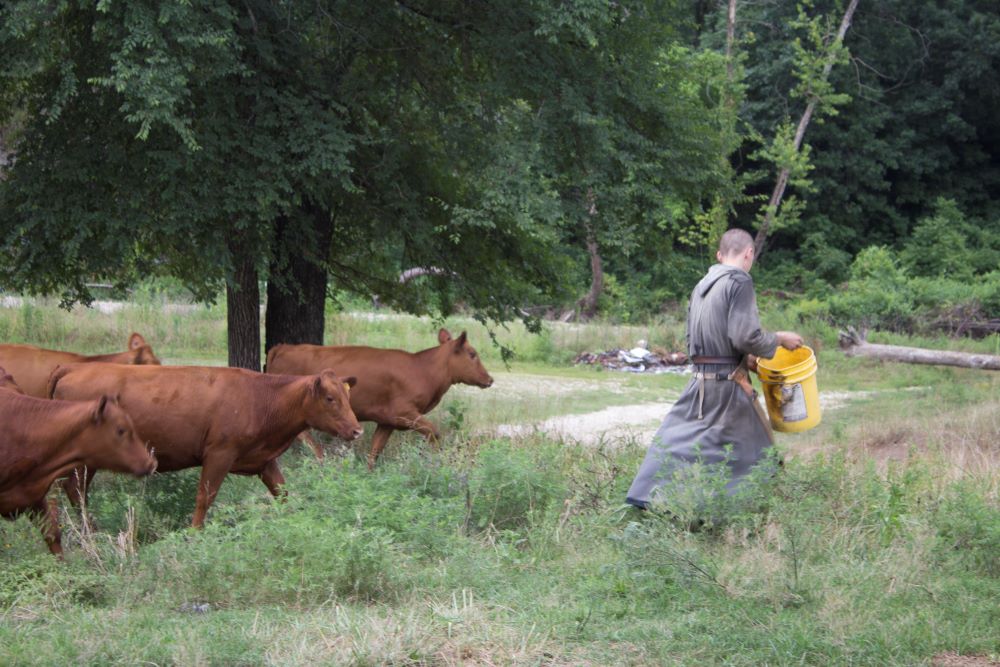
(745, 332)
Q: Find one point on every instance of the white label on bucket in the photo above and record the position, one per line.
(793, 407)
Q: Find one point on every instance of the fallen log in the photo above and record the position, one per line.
(854, 345)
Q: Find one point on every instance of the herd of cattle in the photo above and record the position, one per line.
(66, 416)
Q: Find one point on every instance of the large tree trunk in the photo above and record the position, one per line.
(296, 289)
(800, 133)
(243, 310)
(854, 345)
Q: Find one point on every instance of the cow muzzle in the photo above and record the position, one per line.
(148, 468)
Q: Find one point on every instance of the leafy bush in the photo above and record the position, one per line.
(697, 495)
(878, 295)
(293, 557)
(938, 246)
(163, 503)
(509, 490)
(969, 524)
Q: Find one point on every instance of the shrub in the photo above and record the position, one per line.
(878, 295)
(937, 247)
(509, 490)
(969, 524)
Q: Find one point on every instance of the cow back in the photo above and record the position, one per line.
(32, 366)
(184, 411)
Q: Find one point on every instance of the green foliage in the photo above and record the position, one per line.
(968, 521)
(162, 504)
(908, 136)
(882, 295)
(878, 295)
(937, 247)
(510, 491)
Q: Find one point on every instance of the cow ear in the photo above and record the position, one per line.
(102, 404)
(317, 385)
(460, 343)
(350, 382)
(135, 341)
(443, 336)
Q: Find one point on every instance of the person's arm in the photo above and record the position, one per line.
(744, 329)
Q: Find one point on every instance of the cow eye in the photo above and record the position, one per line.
(472, 355)
(121, 432)
(329, 399)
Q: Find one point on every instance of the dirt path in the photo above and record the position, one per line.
(632, 423)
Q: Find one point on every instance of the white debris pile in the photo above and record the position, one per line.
(639, 359)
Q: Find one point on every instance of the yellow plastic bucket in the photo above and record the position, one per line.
(790, 391)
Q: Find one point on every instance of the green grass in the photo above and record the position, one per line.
(876, 545)
(198, 334)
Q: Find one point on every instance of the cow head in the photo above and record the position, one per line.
(464, 364)
(140, 352)
(7, 382)
(115, 445)
(328, 405)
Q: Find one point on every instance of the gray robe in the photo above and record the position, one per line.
(722, 322)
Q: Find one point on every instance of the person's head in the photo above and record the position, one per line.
(736, 249)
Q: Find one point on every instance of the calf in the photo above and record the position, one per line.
(398, 387)
(41, 441)
(31, 366)
(222, 419)
(7, 382)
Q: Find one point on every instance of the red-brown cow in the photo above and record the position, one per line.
(222, 419)
(7, 382)
(398, 388)
(41, 441)
(31, 366)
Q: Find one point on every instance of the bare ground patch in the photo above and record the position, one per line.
(627, 423)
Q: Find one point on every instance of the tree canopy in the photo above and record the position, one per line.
(514, 151)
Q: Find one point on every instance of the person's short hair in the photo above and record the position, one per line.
(734, 241)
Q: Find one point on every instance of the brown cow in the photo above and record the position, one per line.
(7, 382)
(398, 387)
(222, 419)
(31, 366)
(41, 441)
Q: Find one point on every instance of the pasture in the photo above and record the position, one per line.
(878, 543)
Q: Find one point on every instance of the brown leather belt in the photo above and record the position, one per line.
(701, 360)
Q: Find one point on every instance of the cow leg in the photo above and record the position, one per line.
(426, 428)
(307, 438)
(381, 436)
(273, 479)
(47, 512)
(213, 471)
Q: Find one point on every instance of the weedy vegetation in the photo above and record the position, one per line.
(875, 542)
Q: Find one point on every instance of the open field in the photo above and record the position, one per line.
(877, 544)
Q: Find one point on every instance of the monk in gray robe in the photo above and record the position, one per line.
(716, 420)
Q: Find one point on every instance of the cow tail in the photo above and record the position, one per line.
(57, 374)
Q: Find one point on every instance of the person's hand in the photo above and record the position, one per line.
(752, 362)
(789, 340)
